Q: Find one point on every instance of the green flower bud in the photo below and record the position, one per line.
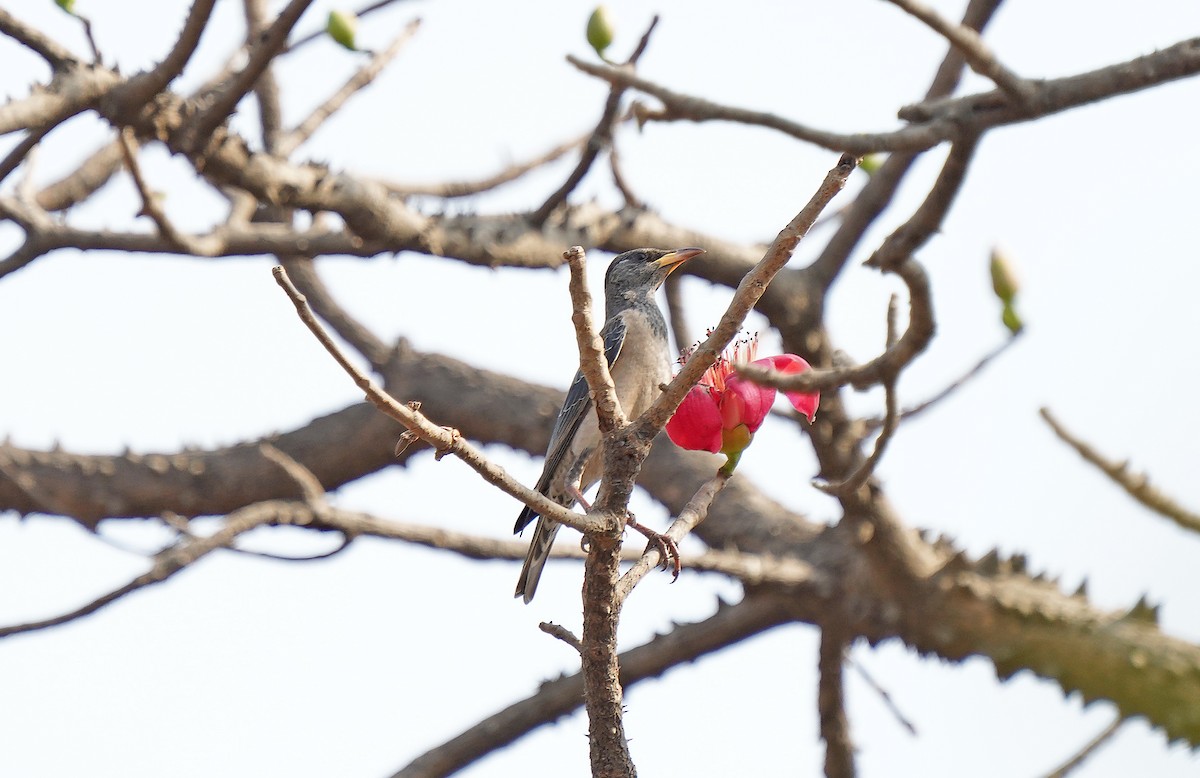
(599, 30)
(341, 26)
(1004, 283)
(66, 5)
(871, 163)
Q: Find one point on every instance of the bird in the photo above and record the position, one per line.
(635, 345)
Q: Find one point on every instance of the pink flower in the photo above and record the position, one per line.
(723, 411)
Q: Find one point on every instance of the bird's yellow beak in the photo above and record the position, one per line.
(676, 258)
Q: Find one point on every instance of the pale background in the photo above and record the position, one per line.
(352, 667)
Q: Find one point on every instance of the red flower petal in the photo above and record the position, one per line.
(805, 402)
(745, 403)
(696, 425)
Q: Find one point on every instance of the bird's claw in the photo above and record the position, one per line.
(668, 549)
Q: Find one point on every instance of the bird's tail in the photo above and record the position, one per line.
(535, 560)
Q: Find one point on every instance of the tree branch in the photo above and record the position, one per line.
(1136, 485)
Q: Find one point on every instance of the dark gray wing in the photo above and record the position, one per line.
(575, 409)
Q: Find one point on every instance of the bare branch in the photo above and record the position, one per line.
(19, 152)
(749, 291)
(364, 76)
(303, 272)
(56, 55)
(562, 633)
(445, 441)
(465, 188)
(689, 517)
(224, 99)
(266, 89)
(891, 419)
(27, 252)
(893, 256)
(884, 695)
(831, 705)
(614, 164)
(175, 559)
(591, 349)
(310, 487)
(95, 172)
(676, 313)
(600, 140)
(138, 90)
(1136, 485)
(1075, 761)
(879, 190)
(973, 49)
(937, 121)
(152, 207)
(954, 386)
(71, 92)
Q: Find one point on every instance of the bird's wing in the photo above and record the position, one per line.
(575, 409)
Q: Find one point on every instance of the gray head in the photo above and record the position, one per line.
(635, 276)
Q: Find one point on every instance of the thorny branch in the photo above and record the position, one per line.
(378, 221)
(1136, 485)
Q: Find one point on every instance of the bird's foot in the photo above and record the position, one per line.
(668, 549)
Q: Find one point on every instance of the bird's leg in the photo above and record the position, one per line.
(668, 549)
(577, 495)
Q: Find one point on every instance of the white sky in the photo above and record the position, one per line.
(243, 667)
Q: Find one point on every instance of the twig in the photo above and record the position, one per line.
(1090, 748)
(303, 272)
(361, 78)
(266, 89)
(831, 705)
(600, 140)
(174, 559)
(450, 189)
(891, 419)
(187, 244)
(748, 292)
(893, 256)
(13, 159)
(677, 313)
(562, 633)
(135, 93)
(933, 122)
(884, 695)
(631, 199)
(692, 514)
(592, 363)
(342, 546)
(882, 186)
(56, 55)
(91, 39)
(78, 185)
(973, 49)
(310, 487)
(224, 99)
(954, 386)
(444, 441)
(360, 13)
(1136, 485)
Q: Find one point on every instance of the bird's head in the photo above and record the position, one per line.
(641, 271)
